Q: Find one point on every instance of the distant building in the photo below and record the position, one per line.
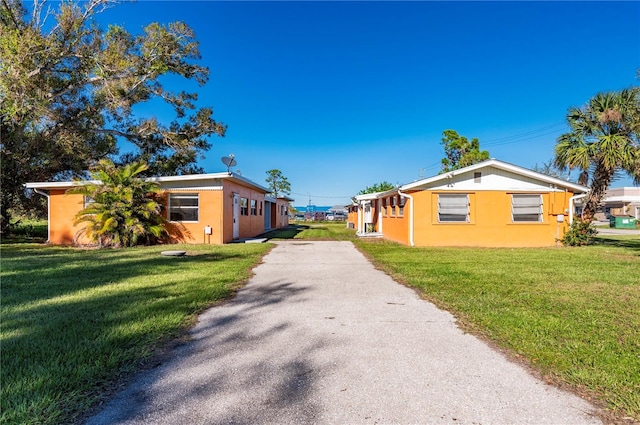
(620, 201)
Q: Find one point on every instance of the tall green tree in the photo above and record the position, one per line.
(278, 183)
(124, 209)
(460, 152)
(378, 187)
(602, 141)
(69, 90)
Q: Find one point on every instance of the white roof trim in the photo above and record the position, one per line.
(503, 166)
(59, 185)
(367, 196)
(188, 177)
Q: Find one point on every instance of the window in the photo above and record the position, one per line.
(88, 201)
(527, 208)
(183, 206)
(401, 202)
(260, 207)
(384, 206)
(393, 206)
(477, 177)
(453, 207)
(254, 207)
(244, 209)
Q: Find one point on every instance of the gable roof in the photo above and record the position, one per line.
(192, 178)
(494, 163)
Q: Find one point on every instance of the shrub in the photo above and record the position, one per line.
(579, 234)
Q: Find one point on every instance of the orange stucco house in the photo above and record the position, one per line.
(489, 204)
(201, 208)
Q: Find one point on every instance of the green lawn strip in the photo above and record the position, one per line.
(76, 321)
(327, 231)
(571, 312)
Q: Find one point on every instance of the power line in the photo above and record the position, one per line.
(527, 135)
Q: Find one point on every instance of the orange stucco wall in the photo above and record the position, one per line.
(250, 225)
(281, 214)
(396, 227)
(63, 209)
(216, 211)
(210, 205)
(490, 222)
(352, 217)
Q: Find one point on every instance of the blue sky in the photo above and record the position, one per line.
(342, 95)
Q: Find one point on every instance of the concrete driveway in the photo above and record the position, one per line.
(320, 336)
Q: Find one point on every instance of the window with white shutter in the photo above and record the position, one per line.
(526, 208)
(453, 207)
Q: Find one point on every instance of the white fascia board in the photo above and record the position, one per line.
(210, 176)
(59, 185)
(503, 166)
(367, 197)
(375, 195)
(184, 178)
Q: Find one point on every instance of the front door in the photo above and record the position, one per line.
(236, 216)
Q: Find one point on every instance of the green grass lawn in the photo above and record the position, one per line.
(572, 313)
(75, 321)
(329, 231)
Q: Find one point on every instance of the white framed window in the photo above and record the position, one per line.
(88, 201)
(526, 208)
(453, 207)
(244, 206)
(254, 207)
(383, 203)
(184, 207)
(401, 202)
(393, 206)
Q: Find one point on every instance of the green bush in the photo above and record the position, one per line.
(579, 234)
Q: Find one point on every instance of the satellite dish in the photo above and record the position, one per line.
(229, 161)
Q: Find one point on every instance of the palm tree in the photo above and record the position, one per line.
(122, 209)
(603, 141)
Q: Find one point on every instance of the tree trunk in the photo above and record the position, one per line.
(602, 177)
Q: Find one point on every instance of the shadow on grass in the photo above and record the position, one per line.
(630, 242)
(22, 239)
(289, 232)
(42, 269)
(68, 310)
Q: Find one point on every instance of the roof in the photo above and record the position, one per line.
(233, 177)
(502, 166)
